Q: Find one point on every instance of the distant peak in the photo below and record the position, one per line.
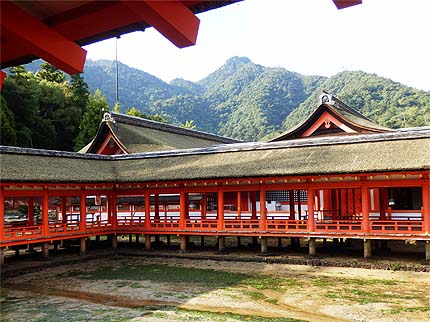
(237, 61)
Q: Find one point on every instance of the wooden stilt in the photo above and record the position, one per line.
(45, 250)
(264, 247)
(221, 244)
(202, 241)
(427, 249)
(279, 242)
(114, 241)
(238, 242)
(1, 256)
(312, 247)
(147, 242)
(367, 248)
(183, 243)
(168, 240)
(137, 238)
(83, 246)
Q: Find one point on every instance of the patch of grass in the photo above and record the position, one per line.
(272, 301)
(164, 273)
(357, 281)
(256, 296)
(182, 296)
(322, 282)
(409, 309)
(136, 285)
(227, 316)
(270, 283)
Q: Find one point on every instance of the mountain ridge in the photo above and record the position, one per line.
(250, 102)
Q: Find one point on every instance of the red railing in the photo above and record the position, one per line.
(397, 226)
(201, 224)
(241, 224)
(338, 226)
(286, 225)
(20, 232)
(165, 224)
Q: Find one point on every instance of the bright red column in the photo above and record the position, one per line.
(426, 206)
(83, 212)
(311, 219)
(263, 210)
(292, 209)
(365, 205)
(157, 206)
(203, 206)
(45, 214)
(1, 215)
(147, 210)
(239, 203)
(220, 209)
(64, 209)
(182, 209)
(253, 205)
(30, 211)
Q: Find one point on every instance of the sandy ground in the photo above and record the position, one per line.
(303, 292)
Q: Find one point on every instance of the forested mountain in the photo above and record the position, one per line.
(241, 99)
(250, 102)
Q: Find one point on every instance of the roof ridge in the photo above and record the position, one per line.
(403, 134)
(138, 121)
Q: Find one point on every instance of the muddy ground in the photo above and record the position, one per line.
(142, 288)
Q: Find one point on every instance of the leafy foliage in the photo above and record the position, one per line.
(91, 119)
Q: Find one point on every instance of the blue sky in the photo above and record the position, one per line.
(386, 37)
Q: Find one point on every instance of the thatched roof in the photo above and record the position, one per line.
(405, 150)
(341, 111)
(136, 135)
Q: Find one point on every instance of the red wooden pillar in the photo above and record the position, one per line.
(63, 209)
(383, 203)
(239, 204)
(187, 206)
(182, 209)
(253, 205)
(292, 209)
(157, 206)
(426, 206)
(1, 216)
(82, 212)
(365, 208)
(45, 219)
(220, 210)
(114, 209)
(263, 210)
(147, 210)
(311, 218)
(30, 211)
(299, 204)
(203, 205)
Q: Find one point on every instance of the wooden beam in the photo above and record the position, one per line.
(2, 78)
(341, 4)
(40, 39)
(171, 18)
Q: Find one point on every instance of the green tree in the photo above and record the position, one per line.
(79, 92)
(7, 122)
(117, 107)
(91, 119)
(50, 73)
(189, 124)
(135, 112)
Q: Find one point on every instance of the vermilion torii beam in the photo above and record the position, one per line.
(171, 18)
(340, 4)
(42, 40)
(2, 78)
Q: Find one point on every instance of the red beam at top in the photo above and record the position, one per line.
(2, 78)
(40, 39)
(341, 4)
(171, 18)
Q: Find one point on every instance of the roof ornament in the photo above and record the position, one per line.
(107, 117)
(326, 98)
